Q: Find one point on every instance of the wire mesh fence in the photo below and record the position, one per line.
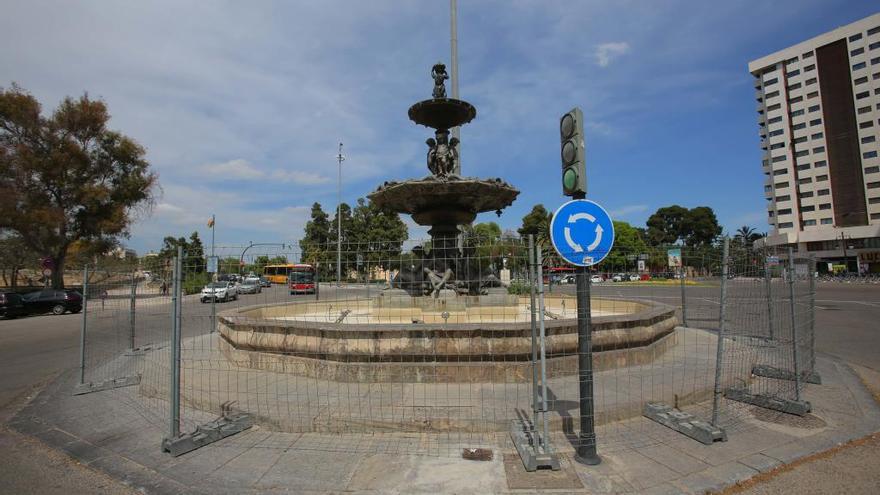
(433, 346)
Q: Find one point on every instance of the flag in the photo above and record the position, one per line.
(211, 223)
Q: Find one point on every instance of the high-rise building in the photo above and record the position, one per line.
(818, 105)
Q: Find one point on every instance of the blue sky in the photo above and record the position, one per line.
(241, 105)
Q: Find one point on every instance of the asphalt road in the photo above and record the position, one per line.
(35, 349)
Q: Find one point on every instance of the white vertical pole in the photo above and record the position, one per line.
(456, 131)
(340, 158)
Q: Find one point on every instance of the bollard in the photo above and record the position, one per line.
(719, 348)
(82, 334)
(794, 337)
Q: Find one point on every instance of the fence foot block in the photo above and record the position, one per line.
(685, 423)
(227, 425)
(768, 371)
(796, 407)
(523, 436)
(125, 381)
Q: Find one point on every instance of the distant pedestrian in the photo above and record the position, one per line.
(164, 288)
(103, 298)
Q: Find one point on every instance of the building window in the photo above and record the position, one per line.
(808, 208)
(809, 67)
(876, 76)
(793, 73)
(864, 110)
(810, 54)
(780, 171)
(775, 106)
(794, 86)
(872, 170)
(808, 82)
(772, 94)
(805, 166)
(770, 214)
(823, 192)
(784, 211)
(861, 80)
(875, 61)
(874, 201)
(802, 153)
(777, 146)
(777, 159)
(863, 94)
(775, 120)
(782, 185)
(866, 125)
(777, 132)
(868, 139)
(819, 149)
(870, 32)
(875, 216)
(798, 127)
(821, 178)
(869, 154)
(806, 194)
(873, 185)
(812, 95)
(783, 198)
(825, 206)
(797, 113)
(859, 66)
(815, 122)
(818, 135)
(855, 37)
(786, 225)
(814, 108)
(802, 139)
(796, 99)
(826, 221)
(805, 180)
(857, 51)
(770, 82)
(820, 163)
(809, 223)
(874, 45)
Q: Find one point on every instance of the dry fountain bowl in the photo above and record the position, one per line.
(472, 339)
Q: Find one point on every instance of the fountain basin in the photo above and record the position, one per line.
(474, 344)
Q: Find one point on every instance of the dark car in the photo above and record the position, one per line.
(57, 301)
(11, 305)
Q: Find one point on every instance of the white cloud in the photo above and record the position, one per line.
(628, 210)
(302, 178)
(606, 52)
(233, 169)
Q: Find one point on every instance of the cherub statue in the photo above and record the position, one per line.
(442, 155)
(438, 72)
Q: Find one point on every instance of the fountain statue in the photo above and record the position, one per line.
(444, 200)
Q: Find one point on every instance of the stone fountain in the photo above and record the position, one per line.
(444, 200)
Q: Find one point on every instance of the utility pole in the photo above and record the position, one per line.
(340, 158)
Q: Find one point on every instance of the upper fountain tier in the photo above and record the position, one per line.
(442, 113)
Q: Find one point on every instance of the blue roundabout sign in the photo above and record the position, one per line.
(582, 232)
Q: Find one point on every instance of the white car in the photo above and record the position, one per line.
(220, 291)
(634, 278)
(251, 285)
(596, 279)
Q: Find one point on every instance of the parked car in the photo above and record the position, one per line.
(220, 291)
(567, 279)
(265, 282)
(11, 305)
(51, 300)
(634, 278)
(619, 277)
(250, 285)
(596, 279)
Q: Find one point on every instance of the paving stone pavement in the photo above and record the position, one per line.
(108, 434)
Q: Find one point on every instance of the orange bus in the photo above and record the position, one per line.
(277, 274)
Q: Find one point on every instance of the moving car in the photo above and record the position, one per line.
(220, 291)
(57, 301)
(11, 305)
(265, 282)
(250, 285)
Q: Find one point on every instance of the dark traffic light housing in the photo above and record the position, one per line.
(574, 165)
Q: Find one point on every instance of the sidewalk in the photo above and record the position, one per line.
(104, 432)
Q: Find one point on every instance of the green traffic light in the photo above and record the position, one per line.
(569, 179)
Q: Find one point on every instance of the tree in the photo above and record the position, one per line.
(628, 245)
(76, 179)
(195, 254)
(747, 236)
(676, 224)
(376, 234)
(314, 243)
(15, 256)
(537, 223)
(701, 227)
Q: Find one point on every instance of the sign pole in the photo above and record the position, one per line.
(586, 449)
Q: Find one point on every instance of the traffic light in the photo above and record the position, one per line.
(574, 163)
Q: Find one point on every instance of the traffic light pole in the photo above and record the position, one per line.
(586, 449)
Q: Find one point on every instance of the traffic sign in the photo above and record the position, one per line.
(582, 232)
(773, 260)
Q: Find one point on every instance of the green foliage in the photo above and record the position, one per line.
(676, 224)
(519, 288)
(627, 242)
(77, 180)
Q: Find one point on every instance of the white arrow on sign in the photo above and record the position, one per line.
(574, 217)
(573, 245)
(596, 242)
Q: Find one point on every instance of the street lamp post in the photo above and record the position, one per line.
(339, 158)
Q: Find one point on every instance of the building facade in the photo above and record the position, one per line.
(818, 105)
